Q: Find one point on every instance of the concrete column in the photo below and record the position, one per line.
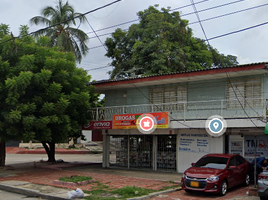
(105, 151)
(154, 153)
(177, 150)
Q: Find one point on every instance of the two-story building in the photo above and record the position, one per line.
(181, 103)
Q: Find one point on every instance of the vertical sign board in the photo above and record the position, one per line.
(194, 143)
(236, 147)
(261, 142)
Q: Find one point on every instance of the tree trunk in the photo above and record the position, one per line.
(2, 153)
(50, 150)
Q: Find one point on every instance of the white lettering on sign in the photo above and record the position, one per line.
(101, 124)
(119, 118)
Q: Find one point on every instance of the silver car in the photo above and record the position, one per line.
(263, 184)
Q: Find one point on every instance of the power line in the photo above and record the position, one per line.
(197, 15)
(203, 20)
(225, 71)
(219, 36)
(173, 10)
(97, 36)
(241, 30)
(138, 19)
(239, 100)
(211, 8)
(48, 27)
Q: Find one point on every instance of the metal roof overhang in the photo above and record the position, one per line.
(179, 78)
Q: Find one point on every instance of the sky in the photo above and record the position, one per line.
(250, 45)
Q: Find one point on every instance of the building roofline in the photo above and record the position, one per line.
(200, 72)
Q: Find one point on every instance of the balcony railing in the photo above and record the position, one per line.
(234, 108)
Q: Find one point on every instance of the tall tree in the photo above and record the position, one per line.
(59, 20)
(161, 42)
(43, 95)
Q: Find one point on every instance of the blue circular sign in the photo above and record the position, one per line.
(216, 126)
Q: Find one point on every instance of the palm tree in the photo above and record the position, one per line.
(58, 20)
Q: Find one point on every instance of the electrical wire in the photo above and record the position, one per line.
(240, 102)
(197, 15)
(53, 25)
(211, 8)
(192, 1)
(231, 13)
(97, 35)
(238, 31)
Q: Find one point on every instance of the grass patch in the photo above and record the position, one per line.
(75, 179)
(128, 191)
(123, 193)
(103, 192)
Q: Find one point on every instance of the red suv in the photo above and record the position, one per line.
(216, 173)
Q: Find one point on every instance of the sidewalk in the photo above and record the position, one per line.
(38, 179)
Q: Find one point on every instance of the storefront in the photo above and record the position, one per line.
(156, 152)
(248, 143)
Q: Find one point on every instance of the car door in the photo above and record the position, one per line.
(232, 172)
(241, 169)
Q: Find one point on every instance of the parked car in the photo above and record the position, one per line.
(216, 173)
(263, 184)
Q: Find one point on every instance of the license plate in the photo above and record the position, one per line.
(194, 184)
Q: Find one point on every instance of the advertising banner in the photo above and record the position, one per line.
(261, 143)
(128, 121)
(93, 125)
(194, 142)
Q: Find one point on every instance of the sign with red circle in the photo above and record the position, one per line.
(146, 123)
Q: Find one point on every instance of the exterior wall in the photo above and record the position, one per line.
(192, 152)
(116, 98)
(137, 96)
(207, 90)
(196, 91)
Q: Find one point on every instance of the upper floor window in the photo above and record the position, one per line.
(172, 96)
(246, 93)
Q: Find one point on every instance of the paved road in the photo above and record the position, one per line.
(15, 196)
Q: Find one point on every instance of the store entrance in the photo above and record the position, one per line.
(166, 152)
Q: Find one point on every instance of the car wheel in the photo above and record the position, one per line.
(223, 189)
(247, 180)
(263, 198)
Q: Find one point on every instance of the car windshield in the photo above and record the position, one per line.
(212, 162)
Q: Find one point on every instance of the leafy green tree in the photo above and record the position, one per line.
(60, 19)
(43, 96)
(160, 43)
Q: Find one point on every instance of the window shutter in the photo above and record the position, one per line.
(253, 92)
(247, 92)
(235, 93)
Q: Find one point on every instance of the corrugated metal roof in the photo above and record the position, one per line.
(155, 75)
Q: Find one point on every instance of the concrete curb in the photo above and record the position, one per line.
(18, 187)
(155, 194)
